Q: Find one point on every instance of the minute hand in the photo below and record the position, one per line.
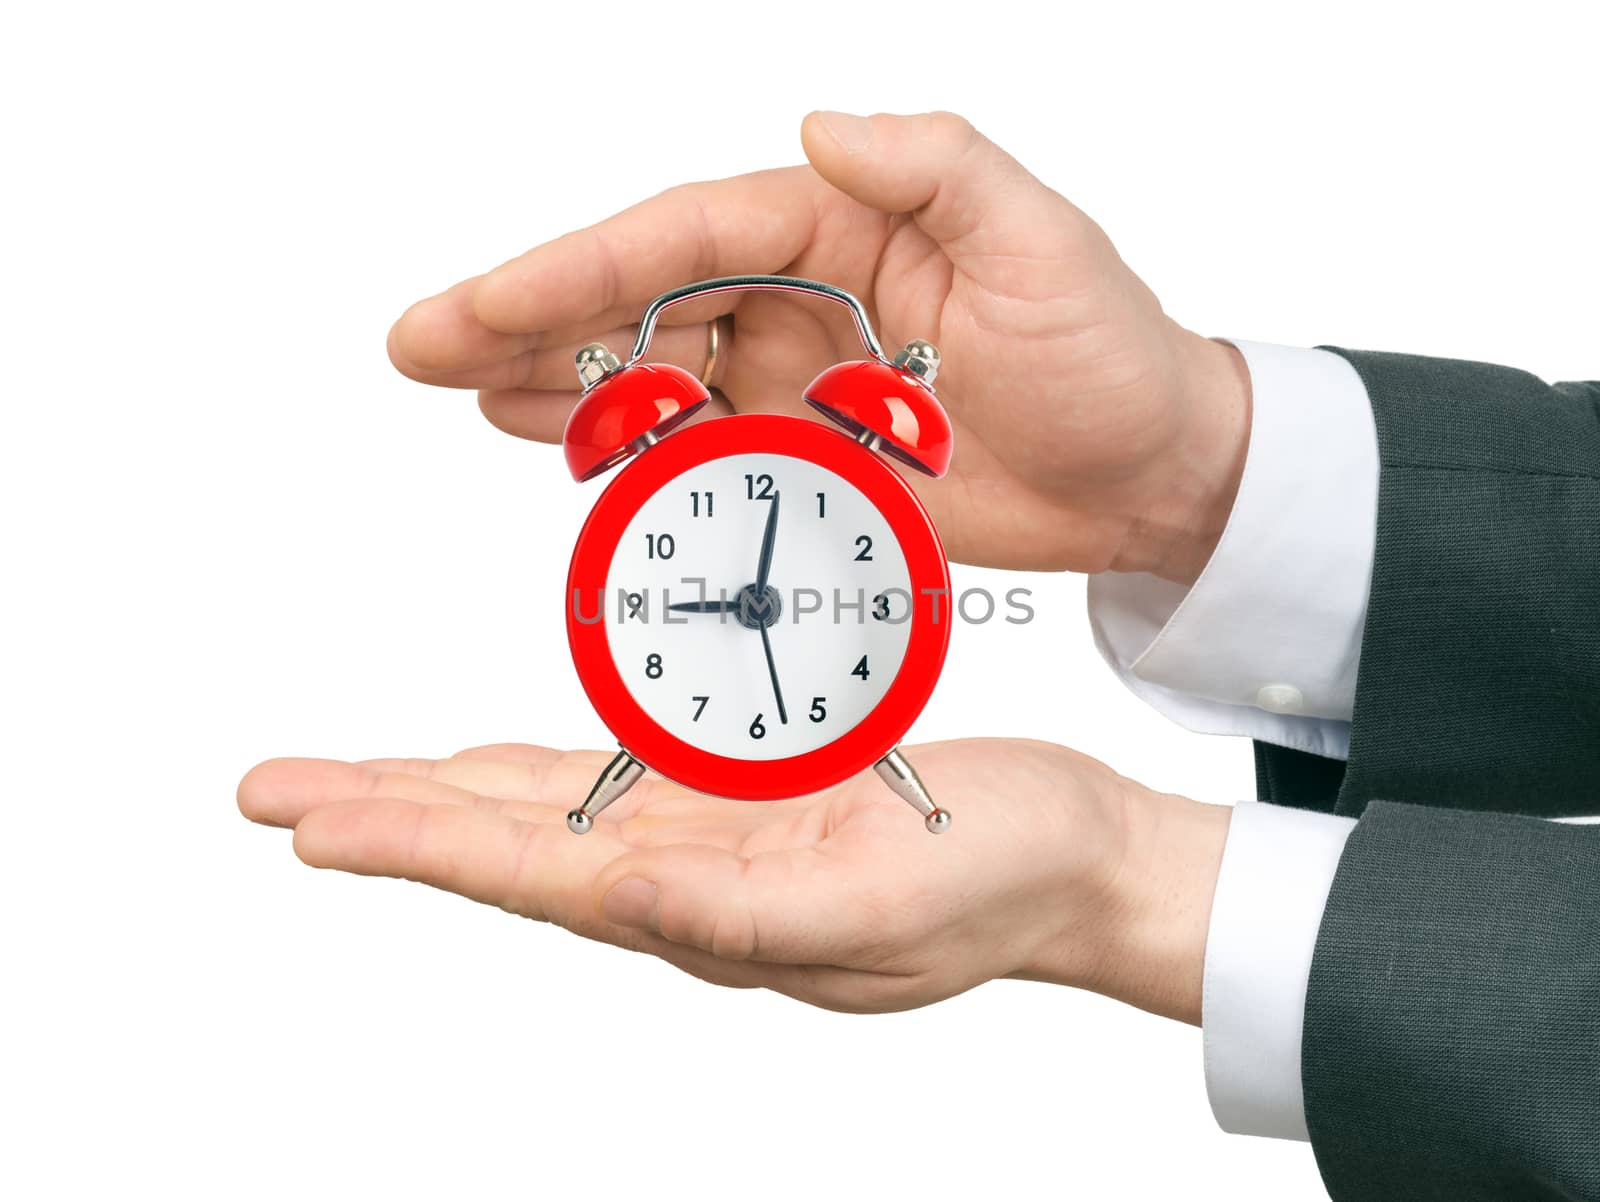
(772, 671)
(764, 564)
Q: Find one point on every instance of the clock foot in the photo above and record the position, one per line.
(620, 775)
(900, 776)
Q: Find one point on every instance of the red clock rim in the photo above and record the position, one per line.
(858, 748)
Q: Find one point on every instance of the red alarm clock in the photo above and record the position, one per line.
(758, 606)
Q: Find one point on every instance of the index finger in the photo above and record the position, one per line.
(602, 276)
(535, 869)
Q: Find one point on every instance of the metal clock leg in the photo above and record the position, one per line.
(623, 772)
(620, 775)
(900, 776)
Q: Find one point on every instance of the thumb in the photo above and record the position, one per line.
(783, 906)
(966, 193)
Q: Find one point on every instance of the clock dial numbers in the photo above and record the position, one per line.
(691, 626)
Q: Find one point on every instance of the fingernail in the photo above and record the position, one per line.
(850, 131)
(632, 903)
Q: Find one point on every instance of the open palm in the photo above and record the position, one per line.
(840, 899)
(1092, 431)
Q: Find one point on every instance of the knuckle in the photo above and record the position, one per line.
(680, 925)
(952, 131)
(733, 935)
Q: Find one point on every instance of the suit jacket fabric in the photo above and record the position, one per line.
(1479, 683)
(1452, 1029)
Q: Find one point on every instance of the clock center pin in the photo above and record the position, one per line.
(755, 611)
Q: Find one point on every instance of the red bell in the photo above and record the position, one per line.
(624, 409)
(891, 408)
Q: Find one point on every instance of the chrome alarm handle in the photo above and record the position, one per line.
(755, 283)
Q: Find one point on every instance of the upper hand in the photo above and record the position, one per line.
(1092, 431)
(1057, 869)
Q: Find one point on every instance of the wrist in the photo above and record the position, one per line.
(1199, 477)
(1164, 905)
(1142, 939)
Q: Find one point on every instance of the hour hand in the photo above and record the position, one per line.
(768, 536)
(705, 607)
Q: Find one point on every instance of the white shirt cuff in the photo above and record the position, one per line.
(1277, 869)
(1266, 643)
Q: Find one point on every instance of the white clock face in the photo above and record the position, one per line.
(840, 586)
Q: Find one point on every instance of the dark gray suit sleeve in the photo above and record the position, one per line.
(1479, 683)
(1452, 1029)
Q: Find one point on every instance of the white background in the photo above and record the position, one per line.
(232, 531)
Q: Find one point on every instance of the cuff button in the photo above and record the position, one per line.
(1280, 699)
